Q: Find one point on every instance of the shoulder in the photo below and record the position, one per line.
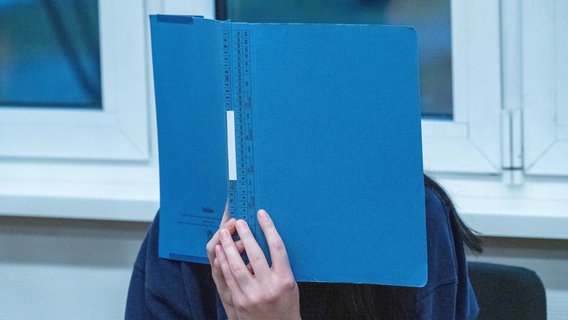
(436, 209)
(440, 234)
(447, 294)
(168, 289)
(442, 259)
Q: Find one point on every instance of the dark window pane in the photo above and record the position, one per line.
(49, 53)
(431, 19)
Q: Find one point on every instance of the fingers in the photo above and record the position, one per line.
(221, 265)
(230, 226)
(216, 270)
(232, 250)
(235, 262)
(226, 214)
(275, 244)
(256, 290)
(221, 272)
(256, 257)
(226, 222)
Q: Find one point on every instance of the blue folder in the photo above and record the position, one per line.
(319, 124)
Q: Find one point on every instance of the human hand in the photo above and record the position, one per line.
(218, 278)
(257, 290)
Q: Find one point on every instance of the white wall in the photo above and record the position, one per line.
(66, 269)
(77, 269)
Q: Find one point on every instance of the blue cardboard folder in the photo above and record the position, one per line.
(318, 124)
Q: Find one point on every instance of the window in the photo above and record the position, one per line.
(431, 20)
(470, 143)
(543, 58)
(76, 126)
(93, 163)
(497, 139)
(504, 149)
(454, 95)
(49, 54)
(509, 67)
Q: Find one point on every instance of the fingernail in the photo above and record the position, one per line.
(262, 214)
(241, 224)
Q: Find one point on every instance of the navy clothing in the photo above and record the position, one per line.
(167, 289)
(448, 294)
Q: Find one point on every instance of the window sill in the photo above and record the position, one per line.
(120, 191)
(124, 192)
(538, 208)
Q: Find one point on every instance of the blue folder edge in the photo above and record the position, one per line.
(192, 141)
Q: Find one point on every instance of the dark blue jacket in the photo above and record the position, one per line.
(167, 289)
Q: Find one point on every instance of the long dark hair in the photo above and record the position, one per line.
(360, 301)
(469, 237)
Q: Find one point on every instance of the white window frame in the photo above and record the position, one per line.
(117, 132)
(487, 170)
(545, 90)
(471, 142)
(93, 164)
(116, 177)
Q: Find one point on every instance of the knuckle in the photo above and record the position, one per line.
(277, 244)
(246, 304)
(237, 269)
(270, 298)
(289, 284)
(256, 258)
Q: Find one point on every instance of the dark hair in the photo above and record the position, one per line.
(356, 301)
(361, 301)
(468, 236)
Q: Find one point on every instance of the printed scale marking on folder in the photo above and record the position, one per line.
(317, 124)
(238, 103)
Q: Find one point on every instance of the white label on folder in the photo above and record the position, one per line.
(231, 149)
